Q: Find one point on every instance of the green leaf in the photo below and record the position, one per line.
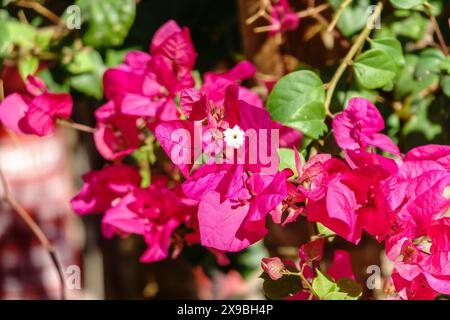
(353, 18)
(88, 67)
(297, 101)
(83, 61)
(115, 57)
(324, 231)
(406, 4)
(44, 37)
(345, 96)
(420, 123)
(281, 288)
(374, 69)
(391, 46)
(108, 21)
(6, 45)
(436, 7)
(445, 84)
(51, 84)
(445, 64)
(88, 83)
(23, 35)
(287, 160)
(336, 295)
(351, 288)
(430, 61)
(323, 285)
(309, 119)
(412, 27)
(28, 66)
(405, 83)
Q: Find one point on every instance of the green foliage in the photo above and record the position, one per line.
(374, 68)
(87, 69)
(326, 288)
(323, 285)
(287, 159)
(406, 4)
(278, 289)
(353, 18)
(108, 21)
(28, 66)
(297, 101)
(391, 46)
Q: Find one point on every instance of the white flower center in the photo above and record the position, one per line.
(234, 137)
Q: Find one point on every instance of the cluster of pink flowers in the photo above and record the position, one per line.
(402, 200)
(36, 110)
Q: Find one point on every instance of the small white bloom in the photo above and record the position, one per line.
(234, 137)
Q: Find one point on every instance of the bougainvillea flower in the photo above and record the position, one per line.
(418, 243)
(420, 272)
(341, 267)
(371, 181)
(180, 138)
(420, 160)
(215, 85)
(174, 44)
(415, 289)
(154, 213)
(336, 210)
(36, 111)
(330, 202)
(283, 18)
(312, 250)
(102, 187)
(147, 83)
(290, 138)
(358, 127)
(233, 206)
(117, 134)
(347, 199)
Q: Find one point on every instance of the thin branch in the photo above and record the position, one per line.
(437, 30)
(349, 57)
(74, 125)
(312, 11)
(39, 8)
(34, 227)
(338, 14)
(324, 22)
(300, 274)
(2, 92)
(262, 12)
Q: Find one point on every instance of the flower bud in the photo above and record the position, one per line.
(274, 267)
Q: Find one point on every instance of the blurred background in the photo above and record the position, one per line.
(45, 173)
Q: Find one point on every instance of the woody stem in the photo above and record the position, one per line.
(34, 227)
(349, 57)
(74, 125)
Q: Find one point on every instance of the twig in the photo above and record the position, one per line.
(337, 34)
(2, 92)
(437, 30)
(39, 8)
(74, 125)
(338, 14)
(312, 11)
(37, 231)
(264, 6)
(300, 274)
(349, 57)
